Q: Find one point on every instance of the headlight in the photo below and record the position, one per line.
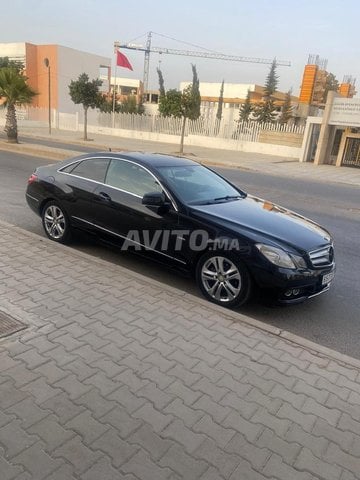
(299, 261)
(277, 256)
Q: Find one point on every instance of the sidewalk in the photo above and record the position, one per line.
(268, 164)
(118, 377)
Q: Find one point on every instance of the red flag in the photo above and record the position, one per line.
(122, 61)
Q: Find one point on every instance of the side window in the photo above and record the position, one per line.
(93, 169)
(131, 177)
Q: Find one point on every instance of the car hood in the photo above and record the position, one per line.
(254, 217)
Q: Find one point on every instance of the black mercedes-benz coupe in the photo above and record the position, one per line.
(187, 216)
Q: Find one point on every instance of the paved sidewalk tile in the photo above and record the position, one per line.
(151, 384)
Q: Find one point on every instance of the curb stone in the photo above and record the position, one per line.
(38, 150)
(58, 154)
(227, 314)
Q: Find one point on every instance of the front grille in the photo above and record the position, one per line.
(322, 257)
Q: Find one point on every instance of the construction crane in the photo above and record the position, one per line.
(148, 48)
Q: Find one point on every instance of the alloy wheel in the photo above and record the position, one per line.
(221, 279)
(54, 222)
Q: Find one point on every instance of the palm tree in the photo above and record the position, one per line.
(14, 91)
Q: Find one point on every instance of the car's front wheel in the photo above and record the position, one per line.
(223, 279)
(56, 223)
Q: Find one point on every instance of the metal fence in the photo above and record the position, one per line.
(245, 131)
(351, 157)
(209, 127)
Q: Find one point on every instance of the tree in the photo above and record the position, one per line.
(246, 109)
(6, 62)
(185, 104)
(219, 109)
(265, 111)
(129, 105)
(331, 85)
(87, 93)
(220, 102)
(161, 83)
(15, 91)
(286, 109)
(140, 107)
(191, 101)
(193, 111)
(271, 81)
(170, 104)
(105, 104)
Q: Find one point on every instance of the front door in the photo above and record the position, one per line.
(119, 210)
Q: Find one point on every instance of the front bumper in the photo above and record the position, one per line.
(304, 294)
(295, 286)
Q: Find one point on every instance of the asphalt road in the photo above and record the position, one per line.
(332, 319)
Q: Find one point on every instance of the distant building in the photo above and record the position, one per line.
(234, 96)
(125, 87)
(314, 86)
(65, 63)
(347, 87)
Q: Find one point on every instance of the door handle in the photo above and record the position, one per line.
(105, 196)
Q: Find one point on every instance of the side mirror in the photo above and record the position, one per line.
(154, 199)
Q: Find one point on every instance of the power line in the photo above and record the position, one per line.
(185, 43)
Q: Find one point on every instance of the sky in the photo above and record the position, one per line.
(283, 29)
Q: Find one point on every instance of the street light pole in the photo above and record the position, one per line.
(47, 65)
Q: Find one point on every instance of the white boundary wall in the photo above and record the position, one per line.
(202, 132)
(201, 141)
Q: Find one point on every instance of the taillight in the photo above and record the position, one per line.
(33, 178)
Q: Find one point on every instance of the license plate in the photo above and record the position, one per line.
(327, 278)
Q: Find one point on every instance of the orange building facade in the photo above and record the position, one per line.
(65, 64)
(308, 83)
(38, 73)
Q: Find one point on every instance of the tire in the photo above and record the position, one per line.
(223, 279)
(56, 223)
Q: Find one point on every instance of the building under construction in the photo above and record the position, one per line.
(316, 82)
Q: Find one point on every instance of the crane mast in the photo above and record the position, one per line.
(148, 48)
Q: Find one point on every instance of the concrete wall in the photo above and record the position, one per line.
(281, 138)
(200, 141)
(71, 63)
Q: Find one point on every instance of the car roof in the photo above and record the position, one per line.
(143, 158)
(153, 159)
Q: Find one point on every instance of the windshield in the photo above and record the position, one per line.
(196, 185)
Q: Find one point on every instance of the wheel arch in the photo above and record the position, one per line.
(44, 203)
(219, 251)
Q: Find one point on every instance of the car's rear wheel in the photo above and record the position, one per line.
(56, 223)
(223, 279)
